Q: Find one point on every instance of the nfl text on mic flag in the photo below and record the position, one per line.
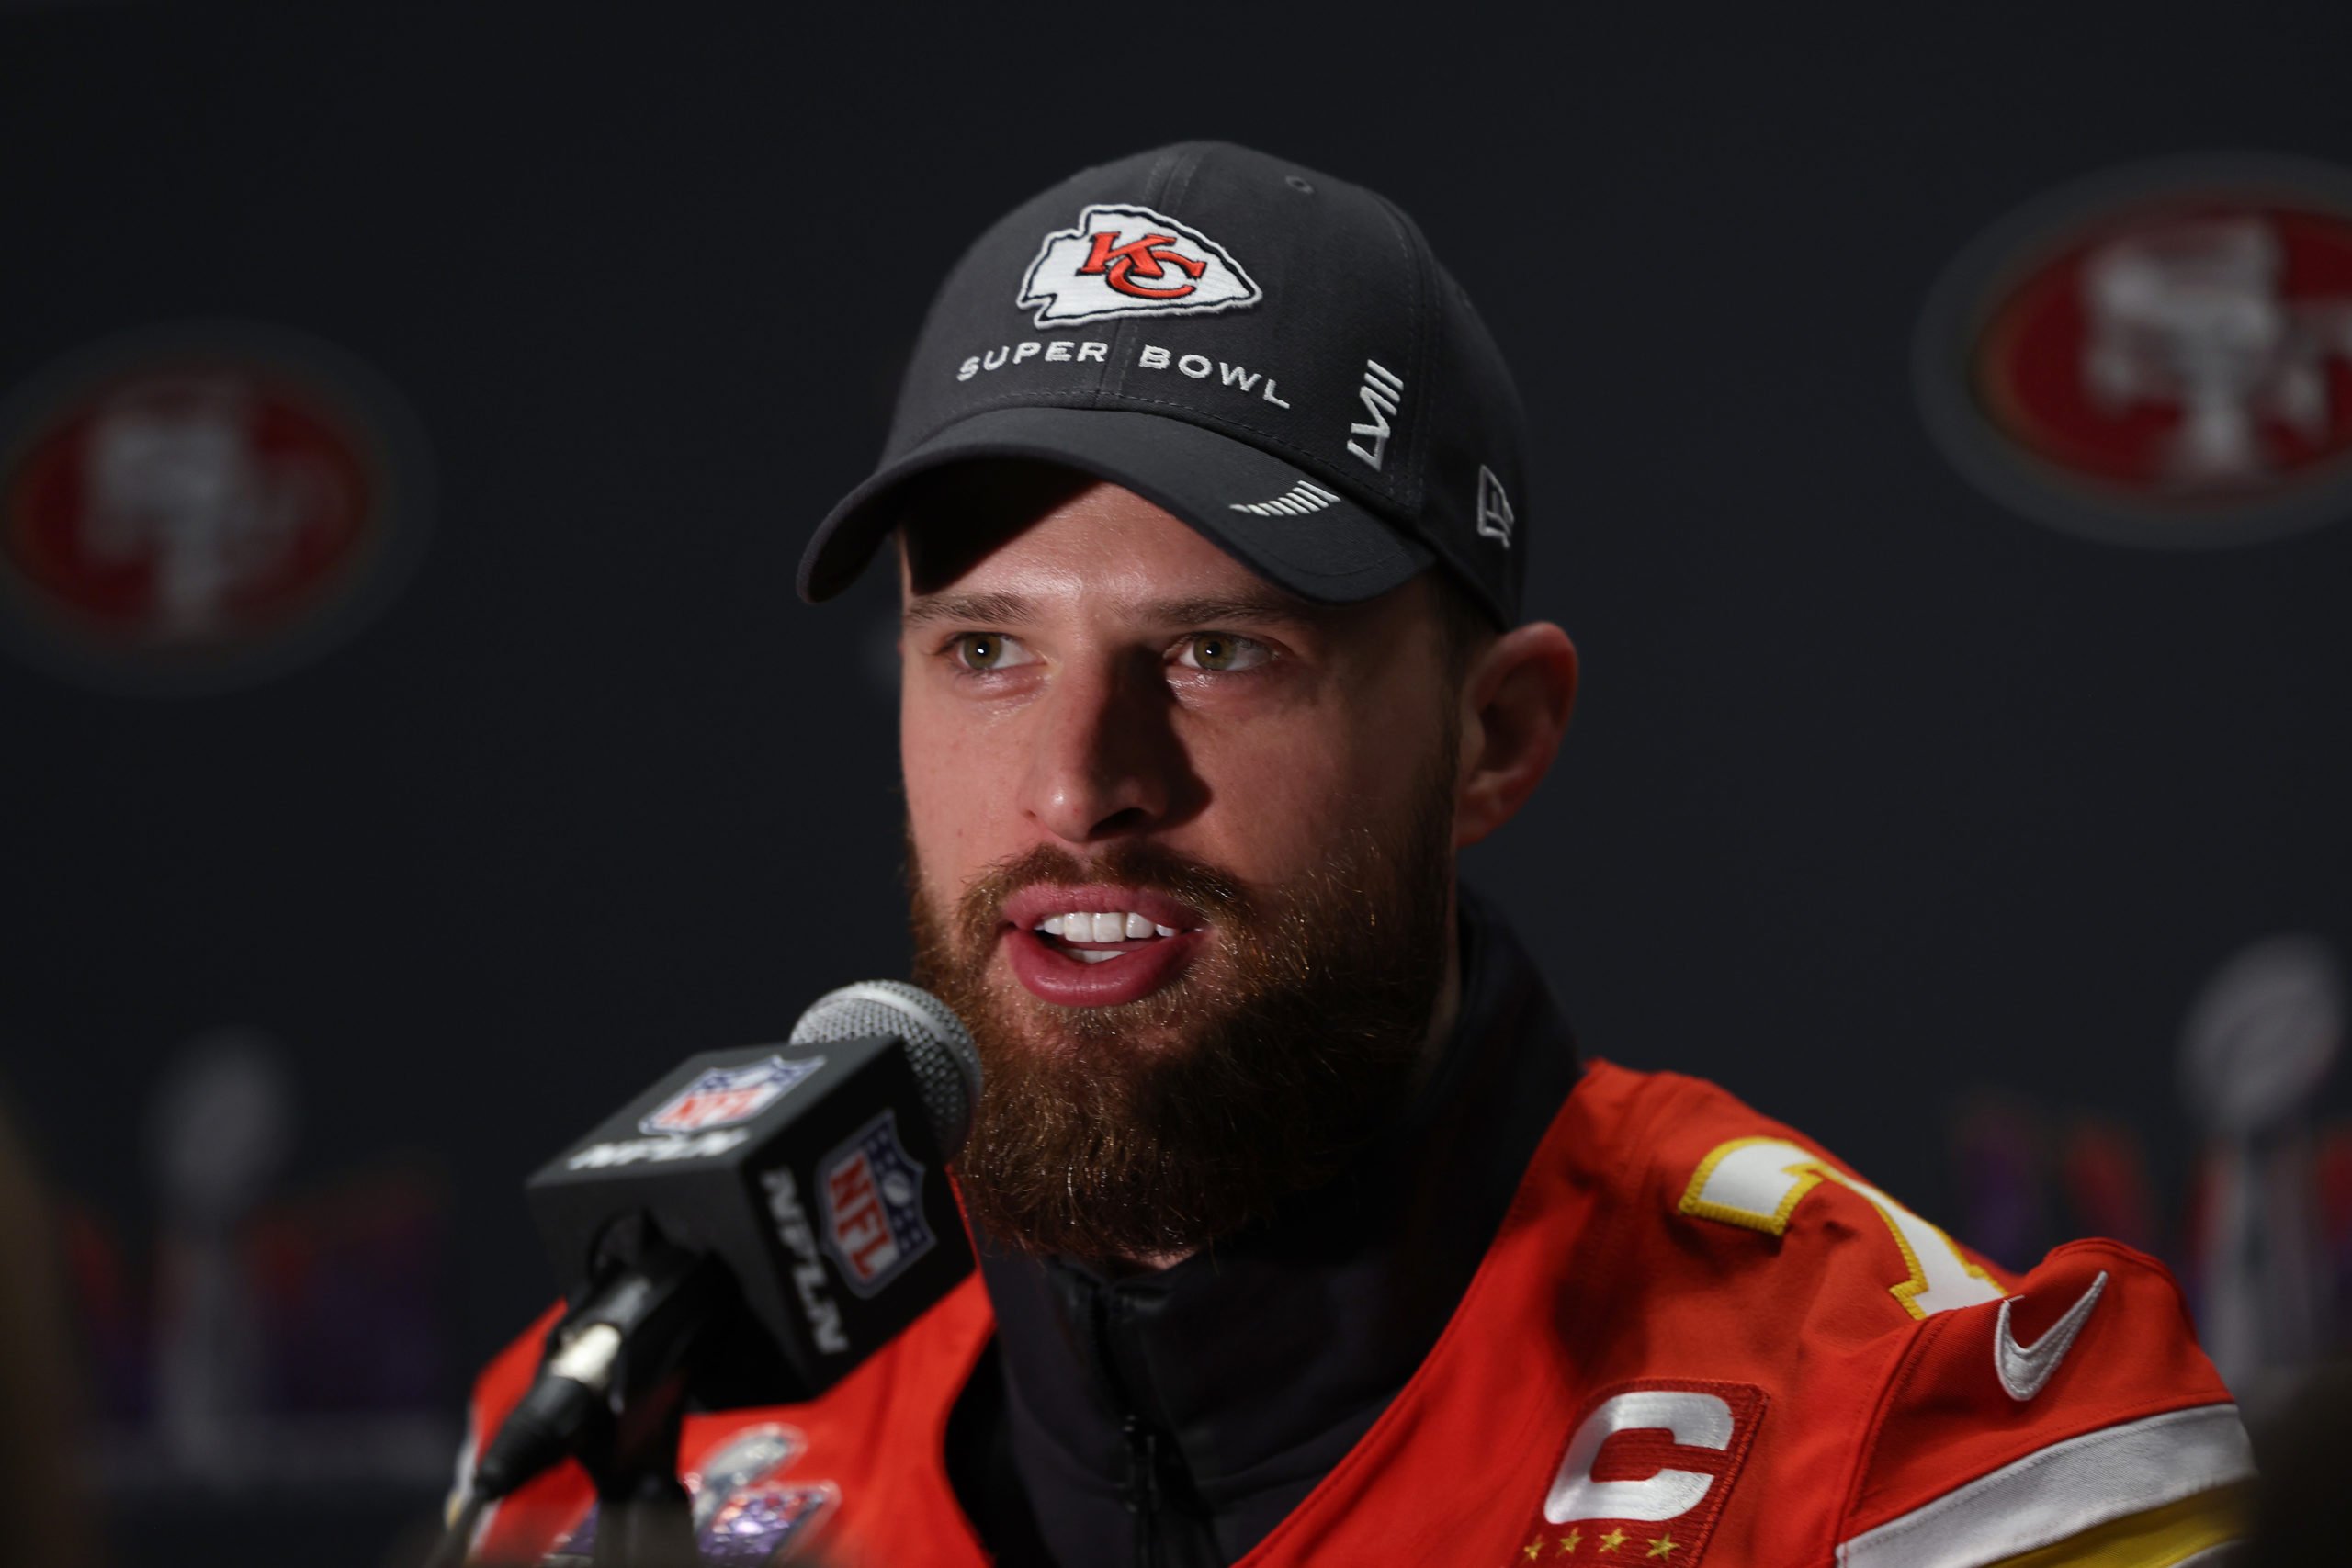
(756, 1223)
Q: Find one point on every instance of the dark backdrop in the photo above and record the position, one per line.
(1878, 794)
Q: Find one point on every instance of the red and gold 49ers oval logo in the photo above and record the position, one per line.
(196, 508)
(2161, 357)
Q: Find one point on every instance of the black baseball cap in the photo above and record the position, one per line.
(1268, 352)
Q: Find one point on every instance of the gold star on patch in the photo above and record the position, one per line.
(1571, 1541)
(1664, 1546)
(1611, 1541)
(1533, 1548)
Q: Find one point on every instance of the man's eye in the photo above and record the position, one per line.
(990, 650)
(1221, 652)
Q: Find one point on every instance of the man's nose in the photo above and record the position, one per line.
(1105, 760)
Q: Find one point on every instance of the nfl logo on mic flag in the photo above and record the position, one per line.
(725, 1096)
(873, 1223)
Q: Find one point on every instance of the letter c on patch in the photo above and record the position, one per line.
(1696, 1420)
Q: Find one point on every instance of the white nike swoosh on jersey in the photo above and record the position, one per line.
(2023, 1368)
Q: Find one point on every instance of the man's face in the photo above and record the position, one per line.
(1181, 856)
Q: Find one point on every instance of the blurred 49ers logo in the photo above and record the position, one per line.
(195, 509)
(2161, 357)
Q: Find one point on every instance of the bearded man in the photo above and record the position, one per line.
(1305, 1233)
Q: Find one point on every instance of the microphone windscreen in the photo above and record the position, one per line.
(947, 1067)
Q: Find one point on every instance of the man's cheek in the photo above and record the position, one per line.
(1277, 822)
(953, 859)
(943, 877)
(944, 813)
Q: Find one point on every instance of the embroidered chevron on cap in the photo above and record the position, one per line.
(1302, 497)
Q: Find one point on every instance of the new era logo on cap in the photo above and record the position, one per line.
(1131, 261)
(1494, 507)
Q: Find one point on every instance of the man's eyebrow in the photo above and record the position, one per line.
(1010, 609)
(983, 609)
(1229, 607)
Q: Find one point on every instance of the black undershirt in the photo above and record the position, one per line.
(1172, 1419)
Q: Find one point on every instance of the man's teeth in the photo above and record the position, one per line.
(1079, 926)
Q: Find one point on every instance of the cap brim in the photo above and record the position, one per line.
(1314, 541)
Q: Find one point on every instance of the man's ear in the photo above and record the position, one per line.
(1515, 706)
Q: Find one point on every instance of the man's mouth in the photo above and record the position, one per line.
(1098, 946)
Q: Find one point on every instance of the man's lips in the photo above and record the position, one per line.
(1047, 964)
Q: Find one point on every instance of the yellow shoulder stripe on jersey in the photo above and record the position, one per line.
(2148, 1492)
(2159, 1538)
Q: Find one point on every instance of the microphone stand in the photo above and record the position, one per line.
(644, 1514)
(612, 1393)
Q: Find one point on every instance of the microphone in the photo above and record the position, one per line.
(750, 1228)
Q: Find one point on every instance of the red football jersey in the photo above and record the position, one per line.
(1696, 1339)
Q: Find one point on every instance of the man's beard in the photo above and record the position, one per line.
(1153, 1128)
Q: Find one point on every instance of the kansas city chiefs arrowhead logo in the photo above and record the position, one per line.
(1131, 261)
